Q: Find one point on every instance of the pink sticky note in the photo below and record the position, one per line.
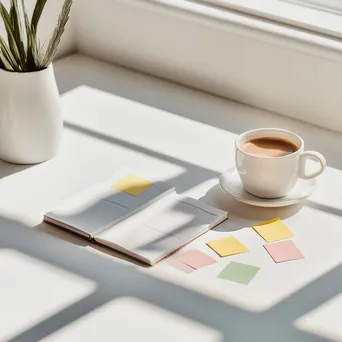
(195, 259)
(180, 266)
(284, 251)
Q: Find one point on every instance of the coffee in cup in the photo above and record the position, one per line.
(269, 147)
(270, 161)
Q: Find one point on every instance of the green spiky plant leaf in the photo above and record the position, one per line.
(22, 51)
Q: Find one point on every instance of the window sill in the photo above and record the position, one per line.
(271, 66)
(295, 14)
(258, 28)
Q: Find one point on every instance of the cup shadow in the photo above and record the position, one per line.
(244, 214)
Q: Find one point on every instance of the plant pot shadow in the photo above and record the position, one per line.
(8, 169)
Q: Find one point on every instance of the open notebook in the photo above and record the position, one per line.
(141, 218)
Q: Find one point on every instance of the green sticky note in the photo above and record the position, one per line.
(239, 273)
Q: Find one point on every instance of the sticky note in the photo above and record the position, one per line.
(239, 273)
(273, 230)
(132, 185)
(195, 259)
(284, 251)
(227, 246)
(180, 266)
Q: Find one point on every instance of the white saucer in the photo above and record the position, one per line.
(230, 182)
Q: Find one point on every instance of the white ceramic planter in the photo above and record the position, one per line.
(30, 116)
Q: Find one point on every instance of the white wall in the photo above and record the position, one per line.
(48, 22)
(274, 72)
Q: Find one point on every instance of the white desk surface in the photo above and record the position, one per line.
(65, 290)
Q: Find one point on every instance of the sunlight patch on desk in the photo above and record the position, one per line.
(131, 319)
(324, 321)
(164, 127)
(32, 291)
(273, 286)
(323, 199)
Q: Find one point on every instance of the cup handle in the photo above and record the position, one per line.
(304, 156)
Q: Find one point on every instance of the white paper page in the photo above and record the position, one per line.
(160, 229)
(106, 192)
(88, 213)
(101, 205)
(179, 219)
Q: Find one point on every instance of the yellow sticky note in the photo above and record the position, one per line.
(227, 246)
(273, 230)
(132, 185)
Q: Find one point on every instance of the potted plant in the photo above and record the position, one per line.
(30, 115)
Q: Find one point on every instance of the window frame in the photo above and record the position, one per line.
(311, 17)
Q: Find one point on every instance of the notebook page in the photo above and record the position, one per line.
(159, 230)
(103, 205)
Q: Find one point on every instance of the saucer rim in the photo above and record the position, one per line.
(264, 202)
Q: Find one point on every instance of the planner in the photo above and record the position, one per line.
(130, 213)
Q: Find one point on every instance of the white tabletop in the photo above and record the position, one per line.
(67, 290)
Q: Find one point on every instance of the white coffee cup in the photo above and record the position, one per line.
(274, 177)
